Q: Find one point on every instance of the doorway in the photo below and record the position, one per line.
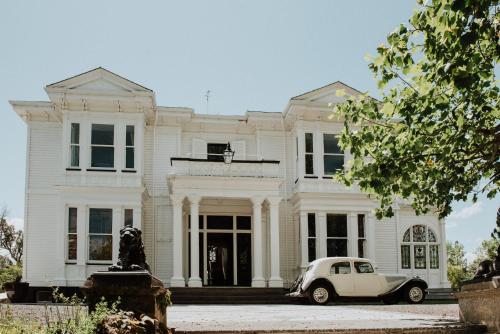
(220, 259)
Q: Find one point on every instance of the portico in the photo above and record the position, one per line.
(212, 245)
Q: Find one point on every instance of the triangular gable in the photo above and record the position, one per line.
(99, 80)
(327, 94)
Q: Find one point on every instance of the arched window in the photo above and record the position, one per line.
(419, 248)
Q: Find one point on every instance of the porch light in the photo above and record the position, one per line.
(228, 154)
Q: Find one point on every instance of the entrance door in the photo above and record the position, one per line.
(220, 259)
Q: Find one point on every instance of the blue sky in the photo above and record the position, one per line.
(252, 55)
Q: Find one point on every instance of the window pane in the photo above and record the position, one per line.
(434, 256)
(129, 136)
(72, 214)
(331, 144)
(363, 267)
(309, 164)
(103, 157)
(336, 225)
(419, 256)
(361, 247)
(311, 225)
(129, 217)
(406, 237)
(75, 133)
(419, 233)
(431, 235)
(340, 268)
(100, 221)
(129, 159)
(311, 249)
(215, 152)
(336, 247)
(333, 163)
(100, 247)
(75, 156)
(72, 244)
(102, 134)
(361, 226)
(244, 223)
(405, 256)
(220, 222)
(309, 143)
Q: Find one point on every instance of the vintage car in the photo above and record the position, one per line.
(338, 278)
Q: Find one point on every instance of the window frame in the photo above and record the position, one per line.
(102, 145)
(68, 233)
(74, 145)
(331, 154)
(346, 238)
(89, 234)
(309, 154)
(216, 157)
(412, 245)
(127, 147)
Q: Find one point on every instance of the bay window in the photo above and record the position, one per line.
(333, 158)
(72, 235)
(309, 153)
(129, 147)
(74, 146)
(102, 146)
(336, 235)
(311, 236)
(361, 235)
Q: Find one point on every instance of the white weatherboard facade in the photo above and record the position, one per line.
(102, 154)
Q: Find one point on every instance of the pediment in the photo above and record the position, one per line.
(97, 81)
(328, 94)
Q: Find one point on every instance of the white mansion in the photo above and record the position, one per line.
(101, 154)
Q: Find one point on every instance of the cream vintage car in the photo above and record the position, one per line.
(333, 278)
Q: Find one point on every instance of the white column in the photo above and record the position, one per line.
(318, 153)
(443, 258)
(304, 233)
(301, 149)
(370, 236)
(117, 225)
(194, 279)
(321, 235)
(352, 234)
(177, 280)
(258, 278)
(275, 281)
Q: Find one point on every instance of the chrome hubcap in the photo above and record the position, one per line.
(416, 294)
(320, 295)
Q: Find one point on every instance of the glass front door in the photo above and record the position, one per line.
(220, 267)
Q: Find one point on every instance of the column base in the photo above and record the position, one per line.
(258, 282)
(177, 282)
(275, 282)
(195, 282)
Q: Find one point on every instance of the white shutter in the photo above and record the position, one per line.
(199, 150)
(239, 149)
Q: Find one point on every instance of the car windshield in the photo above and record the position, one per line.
(363, 267)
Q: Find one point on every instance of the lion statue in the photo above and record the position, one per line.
(131, 256)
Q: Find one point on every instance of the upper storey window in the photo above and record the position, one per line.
(215, 152)
(130, 147)
(74, 145)
(102, 142)
(334, 157)
(309, 153)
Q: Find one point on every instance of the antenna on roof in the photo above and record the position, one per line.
(207, 96)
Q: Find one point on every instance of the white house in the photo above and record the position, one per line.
(102, 154)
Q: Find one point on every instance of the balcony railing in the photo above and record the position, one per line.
(240, 168)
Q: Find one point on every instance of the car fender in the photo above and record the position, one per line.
(319, 280)
(413, 281)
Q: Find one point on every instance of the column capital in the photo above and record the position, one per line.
(177, 199)
(194, 199)
(353, 214)
(257, 200)
(274, 201)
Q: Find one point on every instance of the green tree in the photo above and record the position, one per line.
(457, 264)
(486, 251)
(435, 134)
(11, 240)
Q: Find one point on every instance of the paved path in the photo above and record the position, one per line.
(308, 317)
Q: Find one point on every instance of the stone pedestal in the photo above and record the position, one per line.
(479, 303)
(139, 291)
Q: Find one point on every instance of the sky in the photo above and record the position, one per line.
(251, 55)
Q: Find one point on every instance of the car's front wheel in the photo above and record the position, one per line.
(415, 294)
(319, 294)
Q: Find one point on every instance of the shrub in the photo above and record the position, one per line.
(9, 274)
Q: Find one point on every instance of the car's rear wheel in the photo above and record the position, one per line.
(320, 294)
(415, 294)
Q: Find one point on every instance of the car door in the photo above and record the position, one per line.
(341, 278)
(366, 281)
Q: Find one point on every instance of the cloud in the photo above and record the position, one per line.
(464, 213)
(17, 222)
